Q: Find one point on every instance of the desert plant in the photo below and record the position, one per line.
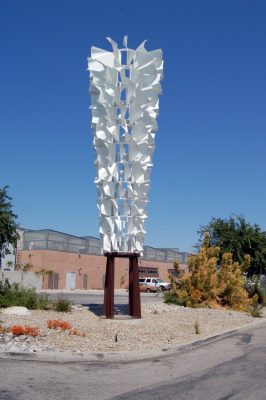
(31, 330)
(18, 330)
(231, 283)
(58, 324)
(122, 280)
(74, 331)
(171, 298)
(9, 264)
(44, 303)
(256, 309)
(16, 295)
(206, 285)
(197, 328)
(53, 323)
(62, 305)
(64, 326)
(254, 286)
(4, 284)
(3, 329)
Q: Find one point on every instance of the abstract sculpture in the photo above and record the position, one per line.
(124, 89)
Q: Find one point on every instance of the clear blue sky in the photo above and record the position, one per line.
(210, 158)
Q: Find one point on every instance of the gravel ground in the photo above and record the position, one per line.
(161, 326)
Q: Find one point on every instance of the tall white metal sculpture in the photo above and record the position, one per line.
(124, 89)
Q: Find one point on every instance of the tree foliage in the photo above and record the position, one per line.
(205, 285)
(8, 225)
(238, 237)
(24, 269)
(43, 272)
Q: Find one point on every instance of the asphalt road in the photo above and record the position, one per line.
(230, 368)
(94, 299)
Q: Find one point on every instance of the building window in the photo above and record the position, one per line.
(150, 271)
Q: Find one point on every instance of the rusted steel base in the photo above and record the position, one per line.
(109, 287)
(134, 291)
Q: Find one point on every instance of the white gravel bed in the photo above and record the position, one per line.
(161, 326)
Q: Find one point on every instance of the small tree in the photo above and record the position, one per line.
(122, 280)
(8, 225)
(199, 285)
(174, 278)
(206, 285)
(43, 273)
(235, 235)
(24, 268)
(9, 264)
(231, 283)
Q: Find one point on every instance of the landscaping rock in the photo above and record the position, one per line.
(16, 311)
(161, 326)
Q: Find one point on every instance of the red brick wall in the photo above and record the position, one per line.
(92, 265)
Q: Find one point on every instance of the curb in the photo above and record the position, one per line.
(123, 357)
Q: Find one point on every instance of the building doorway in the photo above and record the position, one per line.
(85, 281)
(70, 280)
(53, 280)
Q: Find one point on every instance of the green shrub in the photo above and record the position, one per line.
(62, 305)
(16, 295)
(4, 285)
(254, 287)
(171, 298)
(44, 303)
(257, 311)
(206, 285)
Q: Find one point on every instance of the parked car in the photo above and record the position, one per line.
(155, 283)
(148, 288)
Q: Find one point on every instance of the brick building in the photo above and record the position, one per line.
(77, 262)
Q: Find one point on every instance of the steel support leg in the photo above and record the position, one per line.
(109, 287)
(134, 291)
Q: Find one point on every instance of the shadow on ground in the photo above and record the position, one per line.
(97, 309)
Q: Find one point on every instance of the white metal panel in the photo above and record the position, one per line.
(124, 89)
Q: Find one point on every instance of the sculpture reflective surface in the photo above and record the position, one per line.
(124, 89)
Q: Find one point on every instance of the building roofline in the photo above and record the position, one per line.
(62, 233)
(163, 250)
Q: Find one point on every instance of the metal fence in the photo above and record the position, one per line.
(57, 241)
